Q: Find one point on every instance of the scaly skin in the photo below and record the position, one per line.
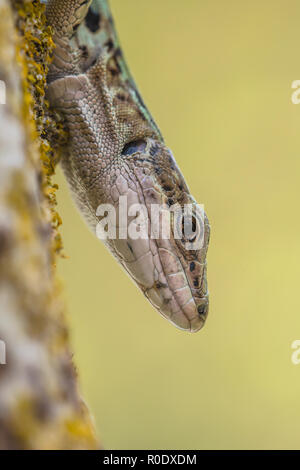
(114, 149)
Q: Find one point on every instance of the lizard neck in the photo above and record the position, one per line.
(96, 36)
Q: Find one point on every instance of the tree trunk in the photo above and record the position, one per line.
(40, 405)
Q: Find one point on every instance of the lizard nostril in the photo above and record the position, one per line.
(201, 309)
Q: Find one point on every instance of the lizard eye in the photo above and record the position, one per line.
(189, 228)
(133, 147)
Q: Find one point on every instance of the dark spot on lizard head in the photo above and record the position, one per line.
(109, 45)
(153, 150)
(196, 282)
(92, 20)
(170, 202)
(113, 66)
(192, 266)
(135, 146)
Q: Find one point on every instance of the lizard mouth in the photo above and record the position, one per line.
(173, 296)
(166, 283)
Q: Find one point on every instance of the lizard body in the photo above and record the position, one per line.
(115, 149)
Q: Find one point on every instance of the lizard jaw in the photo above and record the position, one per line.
(159, 273)
(174, 299)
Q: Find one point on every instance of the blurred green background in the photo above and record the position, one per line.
(217, 78)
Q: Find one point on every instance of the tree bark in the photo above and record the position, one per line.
(40, 405)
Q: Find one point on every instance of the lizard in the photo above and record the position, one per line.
(115, 149)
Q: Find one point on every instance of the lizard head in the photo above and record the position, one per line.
(169, 263)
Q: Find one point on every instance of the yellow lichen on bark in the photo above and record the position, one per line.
(40, 405)
(34, 48)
